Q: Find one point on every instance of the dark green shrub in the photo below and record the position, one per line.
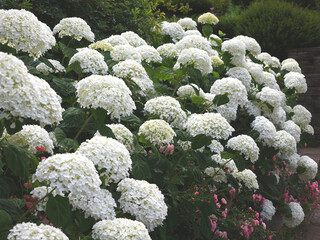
(279, 26)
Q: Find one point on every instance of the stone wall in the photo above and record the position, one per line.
(309, 61)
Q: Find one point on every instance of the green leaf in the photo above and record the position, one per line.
(8, 186)
(5, 224)
(63, 140)
(59, 211)
(13, 207)
(105, 131)
(46, 62)
(197, 100)
(207, 30)
(17, 160)
(83, 223)
(163, 73)
(239, 161)
(200, 141)
(12, 126)
(64, 85)
(59, 134)
(226, 58)
(216, 75)
(220, 99)
(183, 135)
(294, 178)
(131, 119)
(221, 34)
(75, 66)
(301, 169)
(1, 127)
(287, 211)
(140, 168)
(69, 52)
(73, 117)
(7, 49)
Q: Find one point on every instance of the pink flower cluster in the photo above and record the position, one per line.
(167, 149)
(312, 194)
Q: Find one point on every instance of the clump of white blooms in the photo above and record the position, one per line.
(133, 39)
(272, 96)
(253, 109)
(241, 74)
(32, 231)
(214, 39)
(91, 61)
(115, 40)
(107, 92)
(187, 90)
(297, 81)
(226, 163)
(293, 160)
(33, 136)
(208, 18)
(268, 60)
(194, 41)
(68, 172)
(246, 145)
(144, 201)
(301, 116)
(228, 111)
(277, 116)
(102, 45)
(311, 168)
(192, 32)
(248, 177)
(98, 204)
(216, 61)
(265, 128)
(120, 229)
(39, 193)
(195, 57)
(23, 31)
(210, 124)
(149, 54)
(74, 27)
(168, 109)
(187, 23)
(268, 210)
(157, 131)
(109, 156)
(174, 30)
(297, 215)
(268, 80)
(43, 68)
(285, 142)
(292, 128)
(125, 52)
(216, 146)
(251, 44)
(168, 50)
(217, 174)
(129, 69)
(237, 49)
(290, 65)
(234, 89)
(308, 129)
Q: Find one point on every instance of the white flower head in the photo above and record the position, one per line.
(107, 92)
(208, 18)
(311, 167)
(187, 23)
(74, 27)
(241, 74)
(301, 116)
(192, 32)
(226, 163)
(217, 174)
(297, 81)
(129, 69)
(174, 30)
(246, 145)
(271, 96)
(251, 44)
(91, 61)
(265, 128)
(144, 201)
(168, 50)
(297, 215)
(248, 177)
(102, 45)
(133, 39)
(293, 129)
(125, 52)
(195, 41)
(268, 210)
(39, 193)
(285, 142)
(290, 65)
(115, 40)
(237, 49)
(43, 68)
(149, 54)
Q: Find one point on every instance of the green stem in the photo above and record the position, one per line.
(83, 126)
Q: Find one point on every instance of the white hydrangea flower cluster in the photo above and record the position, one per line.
(292, 128)
(149, 54)
(102, 45)
(208, 18)
(174, 30)
(196, 57)
(91, 61)
(120, 229)
(32, 231)
(144, 201)
(192, 32)
(217, 174)
(216, 61)
(74, 27)
(251, 44)
(216, 146)
(43, 68)
(285, 142)
(168, 109)
(125, 52)
(268, 210)
(98, 204)
(187, 90)
(168, 50)
(68, 172)
(268, 60)
(297, 81)
(246, 145)
(290, 65)
(213, 38)
(23, 31)
(133, 39)
(195, 41)
(226, 163)
(248, 177)
(311, 168)
(265, 128)
(107, 92)
(234, 89)
(241, 74)
(33, 136)
(157, 131)
(41, 192)
(210, 124)
(252, 108)
(228, 111)
(187, 23)
(308, 129)
(273, 97)
(297, 215)
(269, 80)
(108, 155)
(25, 95)
(293, 160)
(128, 69)
(115, 40)
(302, 116)
(237, 49)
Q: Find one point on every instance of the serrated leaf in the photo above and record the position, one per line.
(163, 73)
(64, 85)
(207, 30)
(200, 141)
(140, 168)
(59, 211)
(59, 134)
(46, 62)
(17, 161)
(75, 66)
(13, 207)
(226, 58)
(183, 135)
(197, 100)
(73, 117)
(12, 126)
(105, 131)
(69, 52)
(63, 140)
(5, 224)
(220, 100)
(301, 169)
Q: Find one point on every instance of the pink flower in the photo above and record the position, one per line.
(274, 158)
(196, 193)
(211, 8)
(218, 205)
(224, 214)
(224, 201)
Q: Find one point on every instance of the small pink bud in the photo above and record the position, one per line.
(218, 205)
(274, 158)
(305, 145)
(196, 193)
(224, 201)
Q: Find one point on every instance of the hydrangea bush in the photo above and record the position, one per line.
(117, 139)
